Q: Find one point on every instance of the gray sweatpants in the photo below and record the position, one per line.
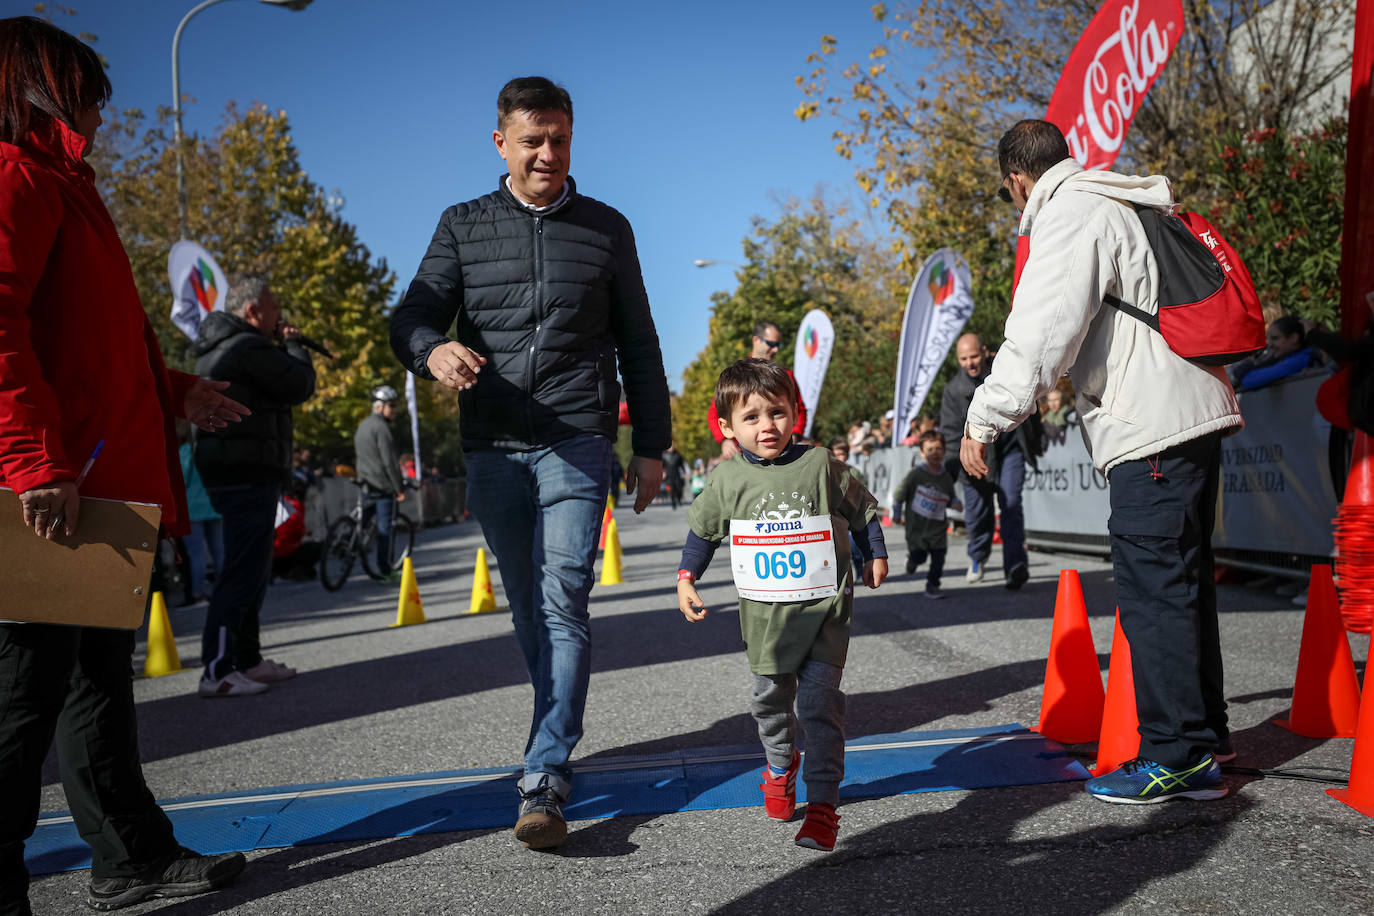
(819, 705)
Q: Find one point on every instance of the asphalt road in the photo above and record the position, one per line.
(372, 701)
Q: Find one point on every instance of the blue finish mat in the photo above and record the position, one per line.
(691, 780)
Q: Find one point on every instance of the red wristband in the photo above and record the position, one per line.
(685, 574)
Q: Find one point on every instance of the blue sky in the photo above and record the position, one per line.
(683, 112)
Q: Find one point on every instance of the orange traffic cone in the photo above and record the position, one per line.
(1359, 794)
(1326, 692)
(1120, 738)
(1071, 704)
(605, 523)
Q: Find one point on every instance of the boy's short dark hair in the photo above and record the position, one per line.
(531, 93)
(839, 442)
(752, 376)
(929, 435)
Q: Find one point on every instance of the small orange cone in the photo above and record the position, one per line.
(1071, 704)
(610, 560)
(1359, 794)
(605, 523)
(1326, 692)
(1120, 738)
(409, 609)
(162, 655)
(483, 598)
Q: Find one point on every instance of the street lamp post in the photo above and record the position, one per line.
(176, 97)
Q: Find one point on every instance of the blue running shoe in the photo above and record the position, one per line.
(1144, 782)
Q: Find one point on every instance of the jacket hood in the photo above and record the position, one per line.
(219, 327)
(1146, 190)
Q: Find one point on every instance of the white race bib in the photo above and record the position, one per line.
(929, 503)
(784, 561)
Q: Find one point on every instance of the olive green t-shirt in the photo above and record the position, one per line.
(780, 636)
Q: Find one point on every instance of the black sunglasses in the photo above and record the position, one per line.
(771, 344)
(1002, 193)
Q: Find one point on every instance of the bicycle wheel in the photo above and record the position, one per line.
(402, 541)
(340, 550)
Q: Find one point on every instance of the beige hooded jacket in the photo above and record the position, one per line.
(1135, 396)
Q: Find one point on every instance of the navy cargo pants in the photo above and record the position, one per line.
(1163, 510)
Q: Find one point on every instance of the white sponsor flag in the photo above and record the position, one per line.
(198, 286)
(815, 341)
(413, 406)
(938, 306)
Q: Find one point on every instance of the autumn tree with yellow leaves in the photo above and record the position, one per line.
(920, 116)
(254, 207)
(812, 255)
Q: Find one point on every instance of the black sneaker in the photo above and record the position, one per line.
(541, 824)
(1017, 577)
(189, 873)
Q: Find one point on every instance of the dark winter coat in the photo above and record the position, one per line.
(1029, 436)
(551, 298)
(270, 378)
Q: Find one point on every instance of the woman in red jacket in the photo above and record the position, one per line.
(79, 368)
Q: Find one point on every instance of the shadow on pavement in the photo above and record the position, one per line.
(972, 858)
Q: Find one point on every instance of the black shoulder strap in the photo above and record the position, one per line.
(1116, 302)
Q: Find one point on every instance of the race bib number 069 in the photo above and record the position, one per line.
(783, 561)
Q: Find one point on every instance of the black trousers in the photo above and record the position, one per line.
(75, 683)
(1163, 510)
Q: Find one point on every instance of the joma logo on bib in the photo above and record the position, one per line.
(773, 527)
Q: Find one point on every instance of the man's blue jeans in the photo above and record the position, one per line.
(385, 507)
(980, 518)
(540, 512)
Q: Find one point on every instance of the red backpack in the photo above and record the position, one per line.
(1209, 311)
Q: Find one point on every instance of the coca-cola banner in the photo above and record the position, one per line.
(1108, 74)
(940, 302)
(815, 341)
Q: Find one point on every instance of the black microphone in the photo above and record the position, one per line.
(313, 345)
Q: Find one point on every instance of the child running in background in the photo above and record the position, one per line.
(788, 510)
(922, 497)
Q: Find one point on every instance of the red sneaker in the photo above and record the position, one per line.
(819, 829)
(780, 792)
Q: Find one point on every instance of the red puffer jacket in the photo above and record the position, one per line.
(79, 363)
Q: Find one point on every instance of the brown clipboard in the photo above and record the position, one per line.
(98, 577)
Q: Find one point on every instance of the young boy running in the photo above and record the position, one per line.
(787, 510)
(922, 497)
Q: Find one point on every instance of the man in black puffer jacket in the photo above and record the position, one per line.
(244, 466)
(545, 287)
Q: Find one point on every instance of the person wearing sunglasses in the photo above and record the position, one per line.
(1153, 423)
(765, 343)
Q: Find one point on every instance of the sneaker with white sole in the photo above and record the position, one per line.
(267, 671)
(1145, 782)
(975, 572)
(233, 684)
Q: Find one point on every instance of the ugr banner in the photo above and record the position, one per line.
(1276, 493)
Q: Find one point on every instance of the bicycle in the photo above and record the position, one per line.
(354, 537)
